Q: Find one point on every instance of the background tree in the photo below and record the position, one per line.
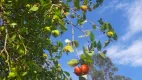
(28, 27)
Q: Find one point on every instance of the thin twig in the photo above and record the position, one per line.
(1, 51)
(73, 36)
(87, 20)
(5, 45)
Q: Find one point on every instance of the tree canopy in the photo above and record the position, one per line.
(28, 27)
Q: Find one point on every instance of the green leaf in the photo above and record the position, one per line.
(2, 28)
(76, 4)
(13, 24)
(102, 55)
(93, 45)
(12, 74)
(85, 2)
(73, 62)
(72, 15)
(99, 46)
(24, 73)
(56, 17)
(75, 43)
(95, 6)
(42, 2)
(106, 43)
(85, 51)
(63, 28)
(91, 53)
(68, 0)
(34, 8)
(101, 21)
(59, 44)
(21, 51)
(103, 27)
(81, 21)
(84, 15)
(94, 26)
(99, 2)
(66, 73)
(82, 56)
(115, 36)
(109, 27)
(13, 69)
(82, 78)
(88, 33)
(92, 36)
(13, 37)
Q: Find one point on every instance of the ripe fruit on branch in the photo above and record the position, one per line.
(84, 69)
(84, 7)
(55, 33)
(77, 71)
(110, 34)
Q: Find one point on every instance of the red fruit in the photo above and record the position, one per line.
(84, 69)
(77, 71)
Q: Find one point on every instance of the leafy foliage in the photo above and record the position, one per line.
(27, 28)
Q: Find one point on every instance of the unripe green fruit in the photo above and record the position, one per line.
(47, 29)
(12, 74)
(13, 69)
(44, 55)
(2, 28)
(20, 51)
(28, 5)
(55, 33)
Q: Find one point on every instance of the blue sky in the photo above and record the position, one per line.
(126, 53)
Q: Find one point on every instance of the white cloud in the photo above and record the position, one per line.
(109, 6)
(114, 5)
(132, 55)
(121, 5)
(129, 54)
(134, 15)
(133, 12)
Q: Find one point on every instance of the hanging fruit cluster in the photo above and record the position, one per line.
(81, 70)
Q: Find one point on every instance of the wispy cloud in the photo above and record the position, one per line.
(109, 6)
(114, 5)
(121, 5)
(134, 15)
(128, 54)
(132, 11)
(131, 55)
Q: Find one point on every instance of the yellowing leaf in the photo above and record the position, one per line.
(102, 55)
(73, 62)
(68, 48)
